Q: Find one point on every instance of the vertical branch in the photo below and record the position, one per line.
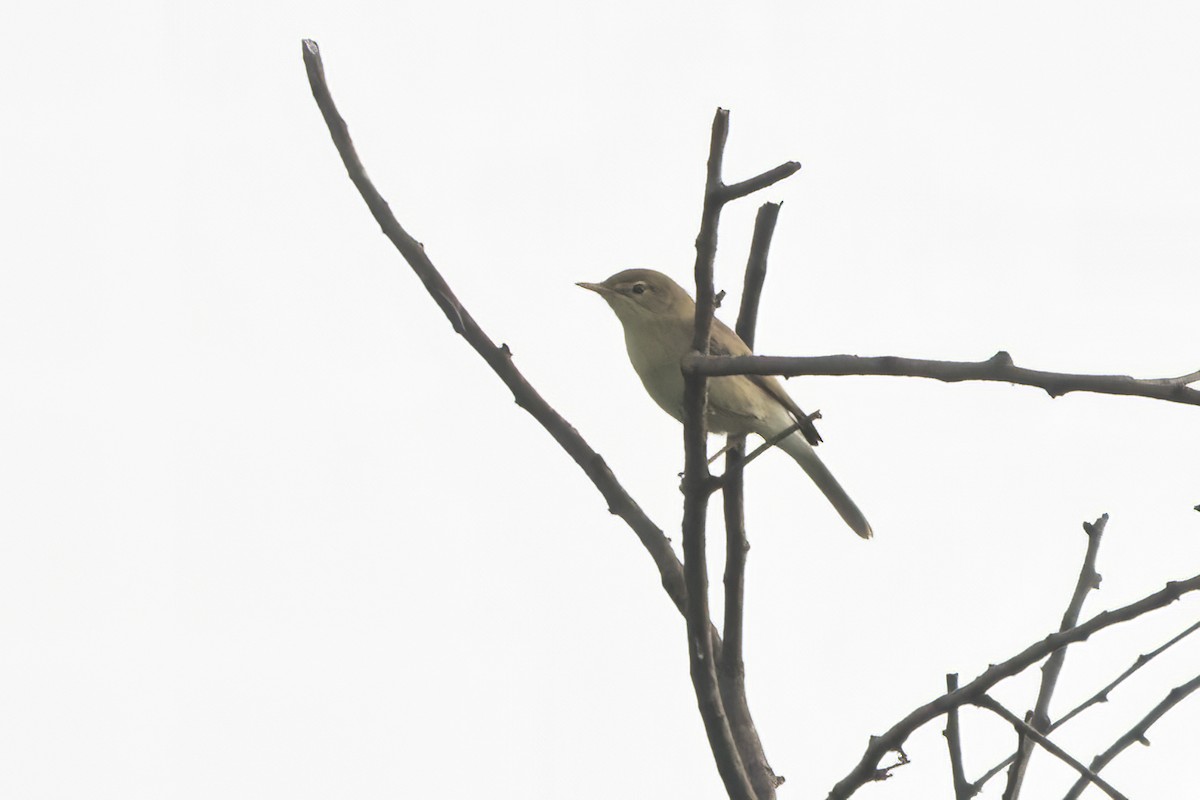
(756, 271)
(698, 485)
(1088, 579)
(962, 788)
(732, 669)
(736, 544)
(698, 482)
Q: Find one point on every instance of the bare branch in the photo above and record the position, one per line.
(1088, 579)
(732, 671)
(1028, 731)
(978, 785)
(867, 768)
(698, 484)
(751, 185)
(498, 358)
(962, 789)
(707, 643)
(756, 271)
(997, 368)
(1137, 733)
(1099, 697)
(1141, 661)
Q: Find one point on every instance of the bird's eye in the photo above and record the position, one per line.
(638, 288)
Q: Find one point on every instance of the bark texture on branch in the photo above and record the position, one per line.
(999, 368)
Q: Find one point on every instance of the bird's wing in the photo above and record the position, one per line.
(768, 383)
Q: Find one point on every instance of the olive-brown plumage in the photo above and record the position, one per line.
(657, 315)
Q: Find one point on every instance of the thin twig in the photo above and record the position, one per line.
(1141, 661)
(867, 769)
(962, 789)
(997, 368)
(762, 181)
(1027, 731)
(783, 434)
(1138, 732)
(1088, 580)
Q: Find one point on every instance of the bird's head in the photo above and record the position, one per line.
(643, 295)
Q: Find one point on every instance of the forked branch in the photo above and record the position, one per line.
(698, 482)
(868, 770)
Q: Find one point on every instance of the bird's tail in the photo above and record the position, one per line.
(799, 449)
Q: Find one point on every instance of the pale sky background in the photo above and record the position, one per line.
(269, 529)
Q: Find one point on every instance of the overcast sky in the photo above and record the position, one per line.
(269, 529)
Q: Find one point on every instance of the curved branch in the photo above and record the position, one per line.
(868, 770)
(498, 358)
(999, 367)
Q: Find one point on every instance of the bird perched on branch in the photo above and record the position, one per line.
(658, 317)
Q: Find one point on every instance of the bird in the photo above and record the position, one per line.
(658, 315)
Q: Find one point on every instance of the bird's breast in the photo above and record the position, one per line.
(656, 357)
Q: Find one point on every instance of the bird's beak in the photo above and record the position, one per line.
(598, 288)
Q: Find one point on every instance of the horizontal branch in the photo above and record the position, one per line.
(868, 770)
(999, 367)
